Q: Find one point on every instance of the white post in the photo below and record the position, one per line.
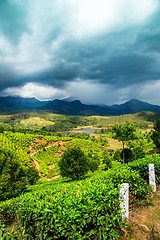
(152, 179)
(124, 198)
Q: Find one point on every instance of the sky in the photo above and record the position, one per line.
(98, 51)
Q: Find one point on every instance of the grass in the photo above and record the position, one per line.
(113, 143)
(36, 122)
(148, 117)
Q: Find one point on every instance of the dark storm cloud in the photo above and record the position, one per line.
(104, 63)
(59, 43)
(13, 19)
(8, 78)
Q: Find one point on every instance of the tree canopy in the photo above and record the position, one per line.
(12, 175)
(74, 163)
(124, 132)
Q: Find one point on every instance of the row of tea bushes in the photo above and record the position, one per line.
(83, 209)
(141, 165)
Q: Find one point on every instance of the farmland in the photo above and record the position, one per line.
(63, 208)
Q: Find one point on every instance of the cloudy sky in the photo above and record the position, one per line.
(98, 51)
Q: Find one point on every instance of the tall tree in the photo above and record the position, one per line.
(124, 132)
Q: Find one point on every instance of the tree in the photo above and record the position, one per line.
(1, 129)
(107, 160)
(74, 163)
(124, 132)
(32, 175)
(94, 162)
(12, 175)
(156, 134)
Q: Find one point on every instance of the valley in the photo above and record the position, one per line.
(37, 201)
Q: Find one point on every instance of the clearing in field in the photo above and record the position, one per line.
(36, 121)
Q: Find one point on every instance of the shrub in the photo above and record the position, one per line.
(129, 156)
(107, 160)
(12, 175)
(74, 163)
(94, 162)
(156, 134)
(32, 175)
(141, 165)
(117, 155)
(85, 209)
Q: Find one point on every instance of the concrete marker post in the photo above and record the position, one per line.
(124, 198)
(152, 179)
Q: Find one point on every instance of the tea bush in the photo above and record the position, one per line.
(141, 165)
(76, 210)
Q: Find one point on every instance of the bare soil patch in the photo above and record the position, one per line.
(40, 140)
(144, 222)
(36, 163)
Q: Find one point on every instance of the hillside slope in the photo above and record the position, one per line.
(77, 108)
(134, 106)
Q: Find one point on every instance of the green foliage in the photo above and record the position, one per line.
(117, 155)
(124, 132)
(78, 210)
(1, 129)
(157, 126)
(141, 165)
(48, 159)
(156, 134)
(94, 162)
(141, 146)
(13, 177)
(141, 119)
(81, 136)
(22, 143)
(13, 142)
(83, 209)
(130, 154)
(103, 140)
(122, 174)
(42, 122)
(73, 163)
(87, 145)
(107, 160)
(32, 175)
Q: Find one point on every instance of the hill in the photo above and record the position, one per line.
(18, 103)
(134, 106)
(74, 107)
(77, 108)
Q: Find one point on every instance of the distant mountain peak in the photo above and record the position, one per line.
(76, 102)
(16, 103)
(68, 99)
(74, 107)
(135, 105)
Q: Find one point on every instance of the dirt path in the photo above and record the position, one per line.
(36, 163)
(144, 222)
(37, 166)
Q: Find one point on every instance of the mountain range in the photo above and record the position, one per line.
(74, 107)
